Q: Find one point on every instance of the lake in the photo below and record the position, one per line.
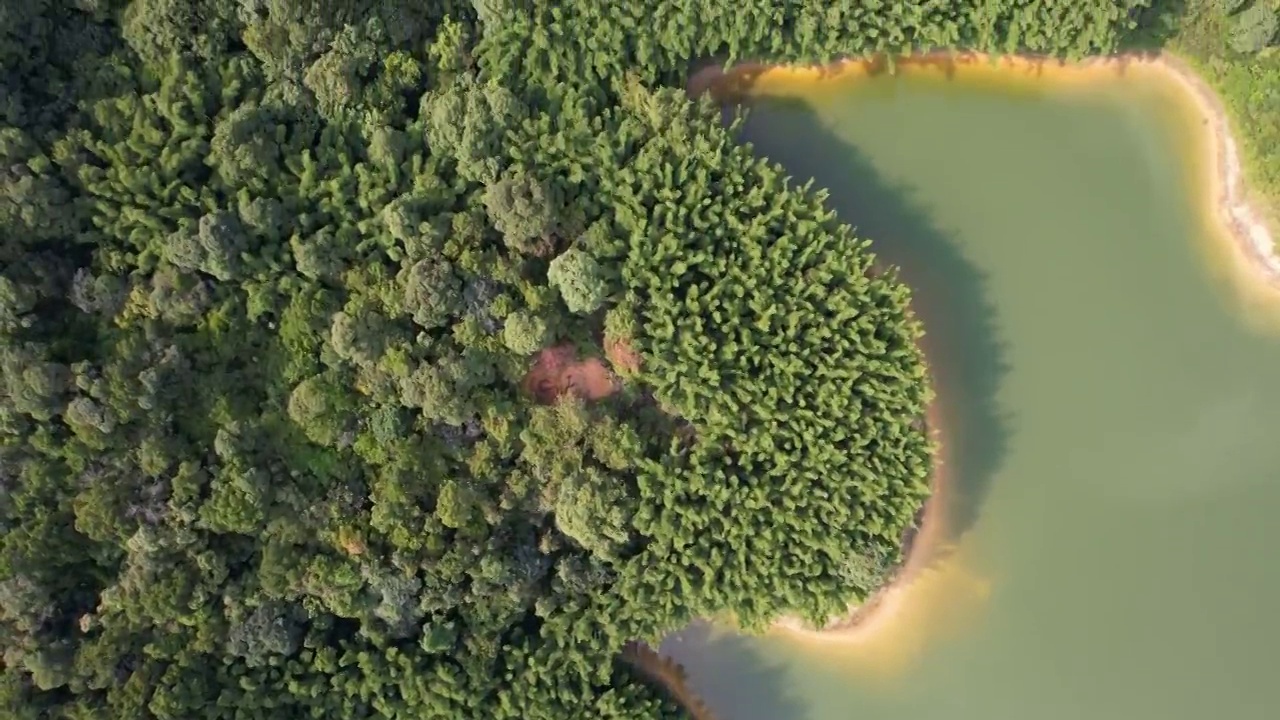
(1109, 404)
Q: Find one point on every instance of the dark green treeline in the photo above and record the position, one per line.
(272, 274)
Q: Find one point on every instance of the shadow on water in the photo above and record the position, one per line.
(732, 675)
(966, 356)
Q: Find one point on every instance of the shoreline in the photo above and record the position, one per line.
(922, 540)
(668, 674)
(1234, 211)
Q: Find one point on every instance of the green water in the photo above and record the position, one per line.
(1114, 423)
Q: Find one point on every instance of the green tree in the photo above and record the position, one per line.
(268, 631)
(214, 246)
(594, 510)
(337, 77)
(524, 333)
(432, 292)
(1255, 28)
(155, 29)
(272, 273)
(522, 208)
(580, 281)
(469, 122)
(322, 409)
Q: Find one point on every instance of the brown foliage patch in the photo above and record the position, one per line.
(557, 370)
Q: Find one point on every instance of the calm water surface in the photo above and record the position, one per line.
(1113, 423)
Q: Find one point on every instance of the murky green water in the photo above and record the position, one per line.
(1113, 422)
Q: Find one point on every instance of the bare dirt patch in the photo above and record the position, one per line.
(558, 370)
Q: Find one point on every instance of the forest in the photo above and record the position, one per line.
(273, 274)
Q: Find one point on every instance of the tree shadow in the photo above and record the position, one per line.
(1155, 25)
(962, 340)
(732, 675)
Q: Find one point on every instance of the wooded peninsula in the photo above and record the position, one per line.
(404, 359)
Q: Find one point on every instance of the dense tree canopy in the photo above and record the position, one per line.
(272, 273)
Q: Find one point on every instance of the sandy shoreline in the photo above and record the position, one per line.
(1245, 226)
(1234, 211)
(1247, 229)
(1247, 233)
(925, 536)
(1251, 236)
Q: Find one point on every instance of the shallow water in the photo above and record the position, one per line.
(1110, 414)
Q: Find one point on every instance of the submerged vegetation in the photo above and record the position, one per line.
(273, 274)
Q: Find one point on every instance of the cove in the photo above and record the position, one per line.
(1107, 375)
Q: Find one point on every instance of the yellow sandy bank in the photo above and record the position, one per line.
(934, 588)
(1233, 214)
(890, 624)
